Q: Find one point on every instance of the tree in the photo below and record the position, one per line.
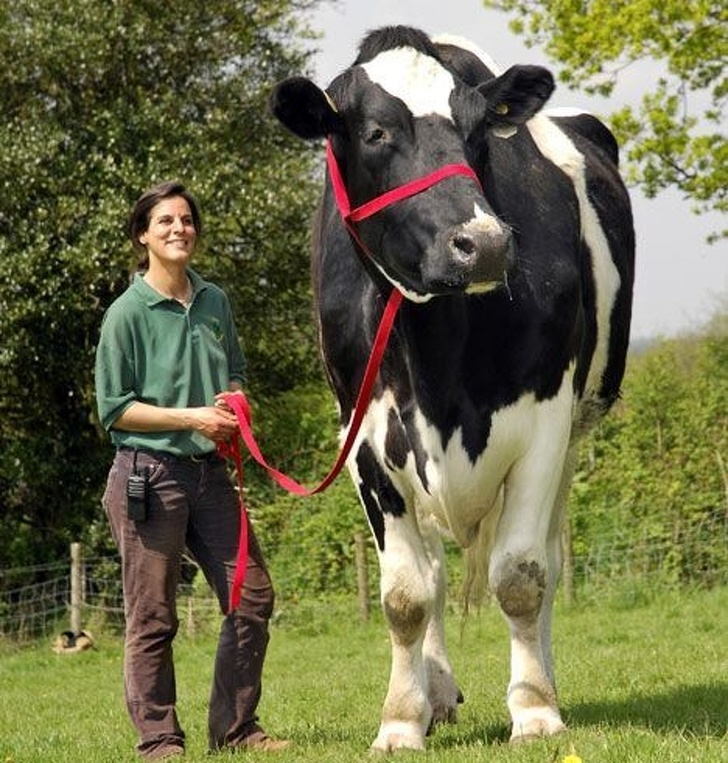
(677, 136)
(96, 103)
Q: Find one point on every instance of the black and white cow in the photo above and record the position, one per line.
(511, 342)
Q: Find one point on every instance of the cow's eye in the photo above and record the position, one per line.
(374, 135)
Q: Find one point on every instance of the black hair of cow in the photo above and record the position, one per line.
(391, 38)
(466, 65)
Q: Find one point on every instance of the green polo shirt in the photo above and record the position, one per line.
(155, 351)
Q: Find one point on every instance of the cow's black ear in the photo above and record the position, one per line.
(518, 94)
(305, 109)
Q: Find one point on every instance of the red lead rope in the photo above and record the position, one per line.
(239, 403)
(241, 407)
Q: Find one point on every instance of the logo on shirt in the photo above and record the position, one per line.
(214, 328)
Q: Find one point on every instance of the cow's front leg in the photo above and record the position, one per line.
(407, 594)
(523, 575)
(519, 578)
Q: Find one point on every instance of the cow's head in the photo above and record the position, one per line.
(395, 115)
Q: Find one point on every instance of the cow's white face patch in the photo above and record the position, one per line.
(418, 80)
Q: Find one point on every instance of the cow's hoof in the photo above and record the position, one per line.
(444, 695)
(399, 736)
(536, 725)
(446, 711)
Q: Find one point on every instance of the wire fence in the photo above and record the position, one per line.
(42, 600)
(85, 592)
(24, 611)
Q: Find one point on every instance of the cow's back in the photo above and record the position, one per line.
(608, 197)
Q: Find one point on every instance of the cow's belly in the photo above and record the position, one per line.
(457, 491)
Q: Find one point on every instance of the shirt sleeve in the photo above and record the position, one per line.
(114, 369)
(237, 363)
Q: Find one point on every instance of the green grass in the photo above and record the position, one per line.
(642, 678)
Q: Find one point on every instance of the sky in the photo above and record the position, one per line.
(681, 281)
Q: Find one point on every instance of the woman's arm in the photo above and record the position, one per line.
(216, 423)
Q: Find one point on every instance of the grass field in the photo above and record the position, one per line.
(642, 677)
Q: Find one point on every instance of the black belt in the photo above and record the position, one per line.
(193, 458)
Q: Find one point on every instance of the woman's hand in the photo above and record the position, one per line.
(221, 402)
(216, 422)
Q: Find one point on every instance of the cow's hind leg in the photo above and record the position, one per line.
(555, 558)
(443, 691)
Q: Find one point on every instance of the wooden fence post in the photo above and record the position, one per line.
(76, 587)
(362, 576)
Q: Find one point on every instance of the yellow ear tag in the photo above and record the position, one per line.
(502, 108)
(331, 102)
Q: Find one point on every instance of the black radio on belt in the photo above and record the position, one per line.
(137, 490)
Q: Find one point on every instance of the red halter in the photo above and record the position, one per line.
(378, 203)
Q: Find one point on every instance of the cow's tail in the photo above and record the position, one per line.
(477, 558)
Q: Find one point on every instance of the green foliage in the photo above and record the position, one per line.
(314, 554)
(297, 431)
(677, 136)
(654, 473)
(96, 104)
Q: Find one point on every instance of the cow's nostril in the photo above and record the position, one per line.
(464, 244)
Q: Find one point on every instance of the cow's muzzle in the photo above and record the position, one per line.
(477, 258)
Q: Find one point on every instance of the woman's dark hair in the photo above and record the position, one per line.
(140, 215)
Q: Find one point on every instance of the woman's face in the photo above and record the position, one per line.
(171, 235)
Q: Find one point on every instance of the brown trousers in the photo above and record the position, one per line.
(193, 505)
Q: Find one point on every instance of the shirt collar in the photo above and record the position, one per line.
(152, 297)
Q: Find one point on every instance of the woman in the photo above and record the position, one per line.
(168, 350)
